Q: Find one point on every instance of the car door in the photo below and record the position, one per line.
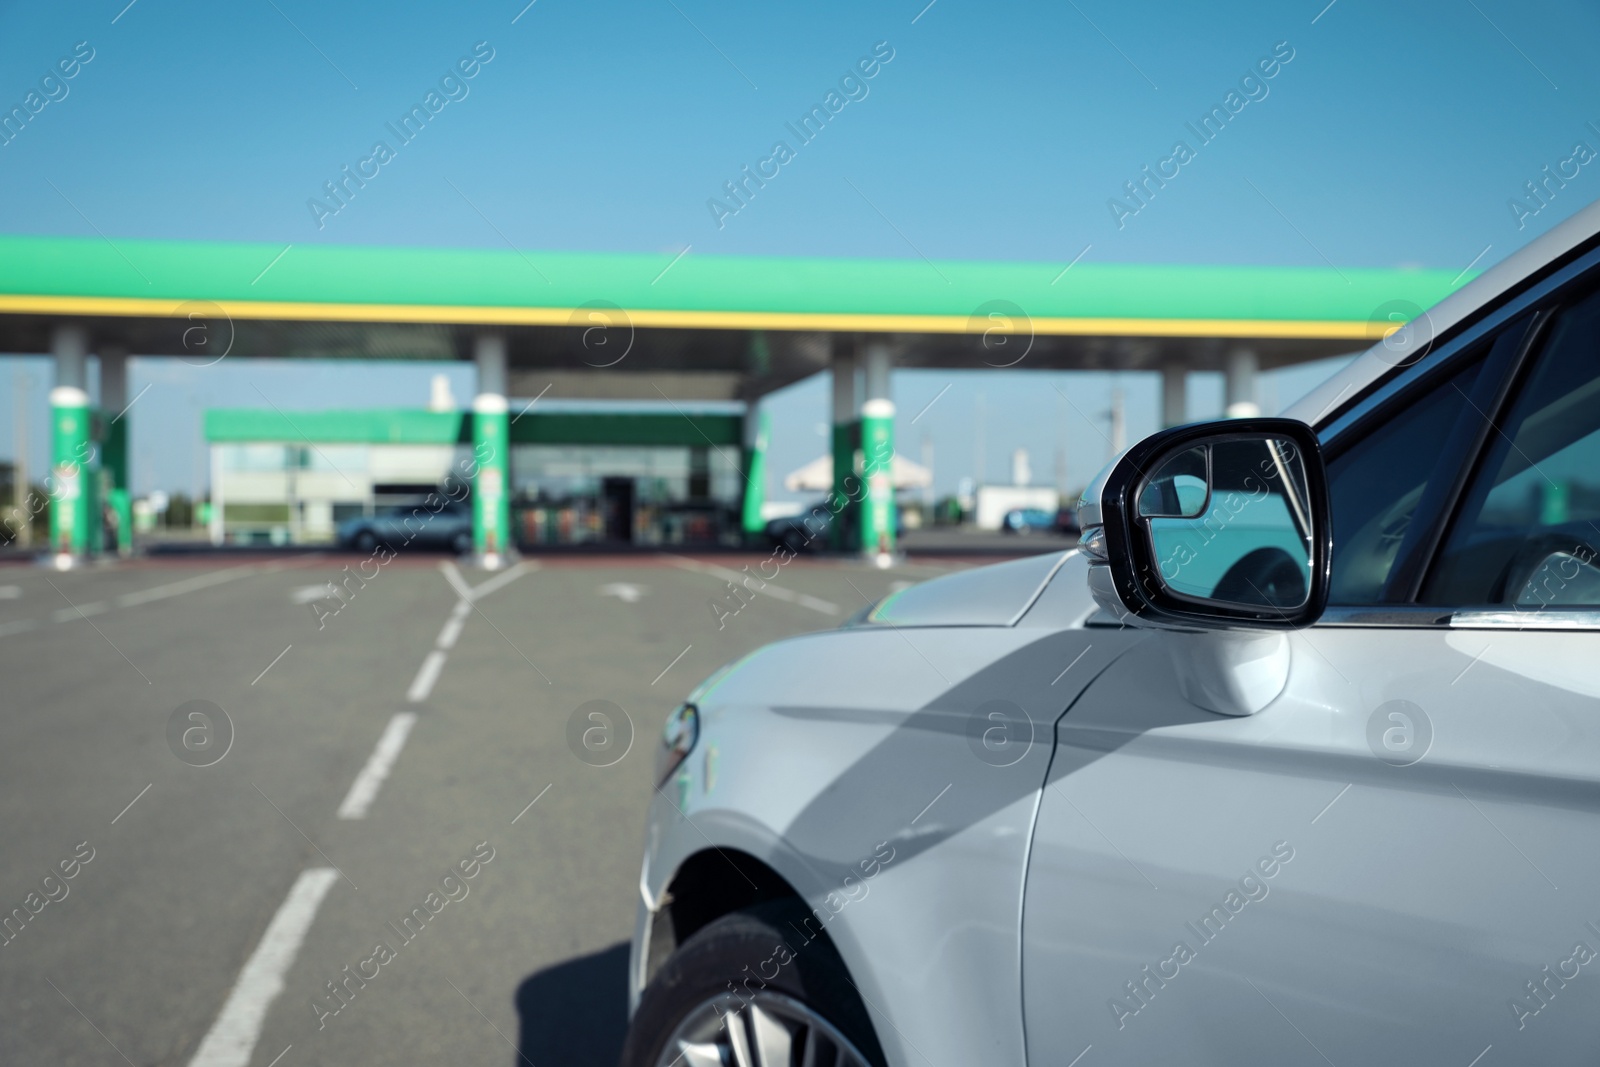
(1397, 860)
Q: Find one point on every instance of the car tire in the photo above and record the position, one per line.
(715, 991)
(366, 541)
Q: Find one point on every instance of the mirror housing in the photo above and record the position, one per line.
(1219, 525)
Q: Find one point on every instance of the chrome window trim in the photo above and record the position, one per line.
(1533, 619)
(1398, 380)
(1425, 617)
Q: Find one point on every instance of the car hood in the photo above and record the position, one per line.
(997, 595)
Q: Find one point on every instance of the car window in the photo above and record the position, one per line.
(1377, 483)
(1528, 530)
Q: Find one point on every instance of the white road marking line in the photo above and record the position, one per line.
(531, 803)
(188, 585)
(81, 611)
(232, 1038)
(10, 592)
(280, 1056)
(500, 581)
(131, 803)
(1080, 1056)
(452, 574)
(19, 627)
(767, 588)
(427, 674)
(307, 593)
(1479, 1056)
(626, 592)
(364, 790)
(271, 665)
(452, 628)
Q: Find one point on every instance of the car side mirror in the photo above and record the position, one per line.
(1221, 525)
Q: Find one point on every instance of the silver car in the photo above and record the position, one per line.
(1296, 760)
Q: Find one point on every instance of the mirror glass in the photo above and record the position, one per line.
(1179, 487)
(1242, 535)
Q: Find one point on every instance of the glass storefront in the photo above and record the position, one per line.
(649, 495)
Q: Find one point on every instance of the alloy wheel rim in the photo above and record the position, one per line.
(766, 1030)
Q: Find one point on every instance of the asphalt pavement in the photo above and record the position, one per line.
(247, 822)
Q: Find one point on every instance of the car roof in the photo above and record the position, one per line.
(1379, 360)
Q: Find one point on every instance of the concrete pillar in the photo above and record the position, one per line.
(1119, 423)
(1174, 394)
(114, 453)
(846, 486)
(72, 521)
(877, 450)
(1239, 387)
(491, 445)
(756, 433)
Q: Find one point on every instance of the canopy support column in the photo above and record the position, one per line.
(72, 452)
(491, 446)
(877, 449)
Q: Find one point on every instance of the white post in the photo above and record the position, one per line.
(218, 532)
(1239, 390)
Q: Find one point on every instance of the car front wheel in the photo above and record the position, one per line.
(750, 988)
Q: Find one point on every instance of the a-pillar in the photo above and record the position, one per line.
(846, 486)
(1174, 394)
(1239, 385)
(877, 449)
(72, 519)
(491, 445)
(756, 431)
(114, 454)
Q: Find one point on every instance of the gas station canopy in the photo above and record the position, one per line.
(699, 326)
(664, 327)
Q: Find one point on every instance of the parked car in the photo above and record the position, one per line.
(1028, 520)
(809, 530)
(411, 526)
(1296, 761)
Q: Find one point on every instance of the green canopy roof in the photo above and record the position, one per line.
(126, 277)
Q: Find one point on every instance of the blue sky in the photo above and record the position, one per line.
(1395, 137)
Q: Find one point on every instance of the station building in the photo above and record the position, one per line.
(588, 476)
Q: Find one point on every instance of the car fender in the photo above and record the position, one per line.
(891, 776)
